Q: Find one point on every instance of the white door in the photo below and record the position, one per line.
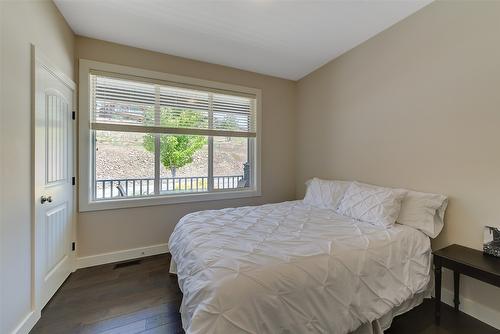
(53, 172)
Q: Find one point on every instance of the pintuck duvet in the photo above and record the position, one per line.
(292, 268)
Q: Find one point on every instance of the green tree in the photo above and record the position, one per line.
(176, 151)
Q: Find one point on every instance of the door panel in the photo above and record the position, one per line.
(56, 229)
(56, 119)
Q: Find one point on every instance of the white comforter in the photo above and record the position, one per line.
(292, 268)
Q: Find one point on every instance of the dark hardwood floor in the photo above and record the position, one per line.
(137, 298)
(420, 320)
(141, 297)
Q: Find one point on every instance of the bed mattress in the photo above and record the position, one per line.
(293, 268)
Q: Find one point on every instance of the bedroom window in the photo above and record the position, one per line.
(153, 138)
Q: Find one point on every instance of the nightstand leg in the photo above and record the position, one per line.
(437, 287)
(456, 286)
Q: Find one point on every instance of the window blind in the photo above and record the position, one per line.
(123, 104)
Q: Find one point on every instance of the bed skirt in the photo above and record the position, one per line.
(377, 326)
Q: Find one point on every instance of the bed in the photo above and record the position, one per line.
(295, 268)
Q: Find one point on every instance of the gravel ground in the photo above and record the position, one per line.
(122, 156)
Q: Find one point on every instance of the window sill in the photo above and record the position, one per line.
(165, 200)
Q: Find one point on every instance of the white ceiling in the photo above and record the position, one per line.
(287, 39)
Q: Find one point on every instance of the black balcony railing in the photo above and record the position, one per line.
(138, 187)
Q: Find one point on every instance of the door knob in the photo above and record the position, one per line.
(46, 199)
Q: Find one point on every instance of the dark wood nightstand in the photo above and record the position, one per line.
(467, 261)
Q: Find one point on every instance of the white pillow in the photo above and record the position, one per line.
(325, 193)
(424, 212)
(372, 204)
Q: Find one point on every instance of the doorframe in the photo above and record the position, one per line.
(38, 58)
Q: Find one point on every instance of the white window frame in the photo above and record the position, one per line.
(86, 163)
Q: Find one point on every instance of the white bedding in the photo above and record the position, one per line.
(293, 268)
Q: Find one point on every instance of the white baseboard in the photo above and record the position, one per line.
(27, 324)
(474, 309)
(123, 255)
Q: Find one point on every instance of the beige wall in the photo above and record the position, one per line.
(417, 106)
(22, 23)
(113, 230)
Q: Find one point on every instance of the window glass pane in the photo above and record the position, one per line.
(183, 108)
(183, 163)
(124, 165)
(232, 113)
(122, 101)
(231, 164)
